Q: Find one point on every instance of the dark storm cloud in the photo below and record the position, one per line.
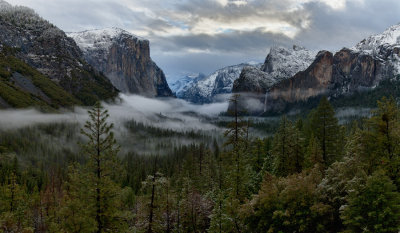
(233, 42)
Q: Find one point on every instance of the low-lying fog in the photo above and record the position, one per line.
(168, 113)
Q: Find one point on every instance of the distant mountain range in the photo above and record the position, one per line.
(206, 89)
(350, 77)
(40, 65)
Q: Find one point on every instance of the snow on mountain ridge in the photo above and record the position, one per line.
(383, 48)
(5, 5)
(99, 38)
(204, 88)
(179, 85)
(282, 63)
(390, 36)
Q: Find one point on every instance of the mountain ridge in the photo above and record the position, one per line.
(345, 72)
(125, 59)
(47, 49)
(207, 89)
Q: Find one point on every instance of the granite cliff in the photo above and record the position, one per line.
(124, 59)
(47, 49)
(348, 71)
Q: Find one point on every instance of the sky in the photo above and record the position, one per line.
(201, 36)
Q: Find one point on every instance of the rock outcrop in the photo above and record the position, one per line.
(280, 65)
(49, 50)
(124, 59)
(344, 73)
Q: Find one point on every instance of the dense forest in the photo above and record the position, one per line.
(311, 174)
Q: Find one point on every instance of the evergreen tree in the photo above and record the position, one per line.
(15, 202)
(313, 154)
(281, 147)
(326, 129)
(237, 156)
(373, 207)
(152, 211)
(297, 150)
(77, 211)
(102, 150)
(381, 141)
(287, 149)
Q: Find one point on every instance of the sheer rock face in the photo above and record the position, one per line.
(280, 64)
(314, 80)
(125, 60)
(49, 50)
(345, 72)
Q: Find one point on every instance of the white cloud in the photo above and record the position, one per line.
(163, 113)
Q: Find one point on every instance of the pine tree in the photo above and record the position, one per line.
(381, 141)
(15, 202)
(297, 150)
(287, 149)
(78, 211)
(373, 207)
(326, 129)
(313, 154)
(280, 147)
(237, 156)
(102, 150)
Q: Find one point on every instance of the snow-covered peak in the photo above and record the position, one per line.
(178, 86)
(21, 11)
(99, 38)
(5, 5)
(390, 36)
(227, 75)
(204, 88)
(282, 63)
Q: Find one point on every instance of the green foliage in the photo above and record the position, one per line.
(313, 155)
(327, 131)
(187, 182)
(368, 98)
(102, 150)
(77, 212)
(20, 98)
(89, 87)
(287, 149)
(286, 205)
(373, 206)
(381, 140)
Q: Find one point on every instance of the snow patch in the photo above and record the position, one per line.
(390, 36)
(99, 38)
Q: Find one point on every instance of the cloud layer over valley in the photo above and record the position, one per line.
(165, 113)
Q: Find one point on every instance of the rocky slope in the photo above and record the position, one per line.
(49, 50)
(348, 71)
(124, 59)
(23, 86)
(290, 79)
(207, 89)
(280, 64)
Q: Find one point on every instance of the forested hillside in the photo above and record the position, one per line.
(311, 175)
(22, 86)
